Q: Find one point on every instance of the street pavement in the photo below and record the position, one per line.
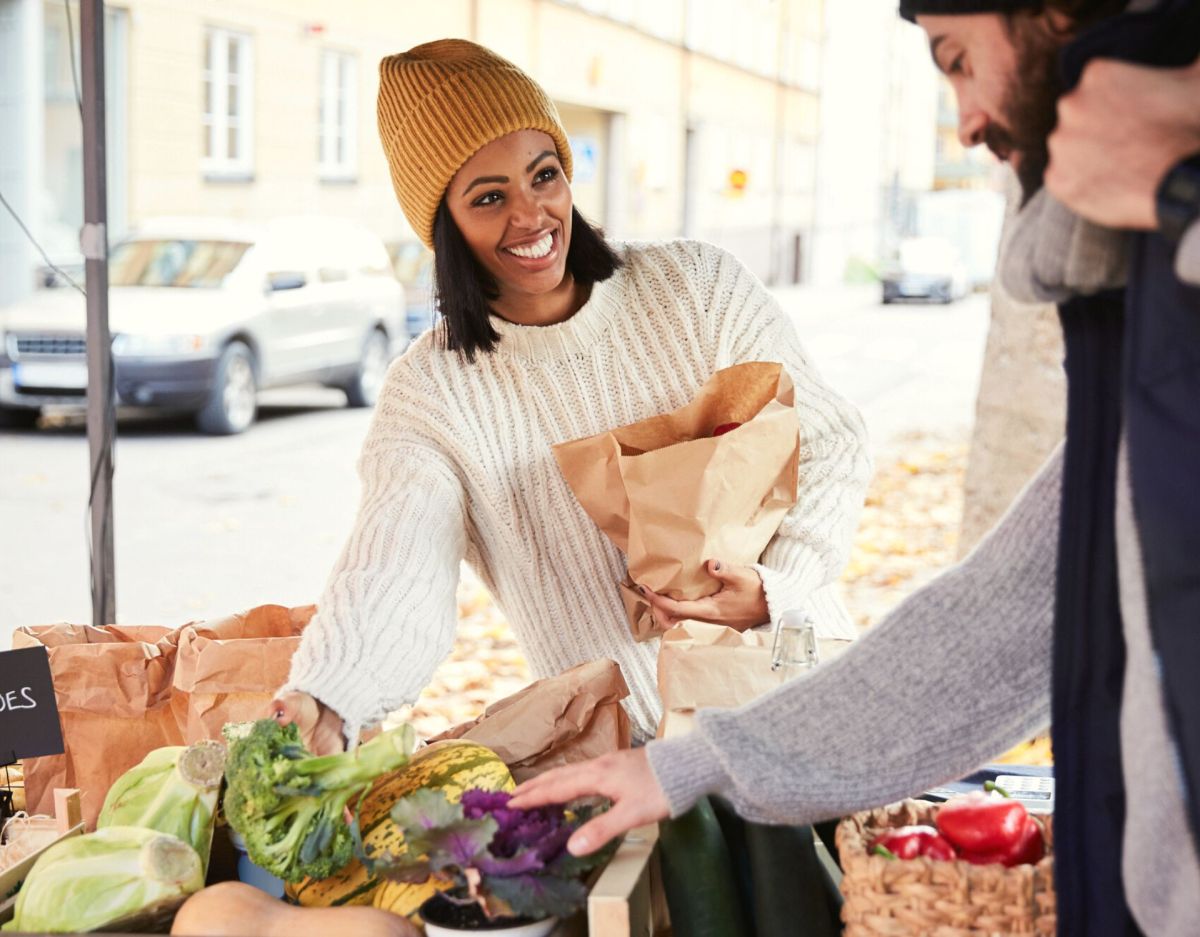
(205, 526)
(911, 369)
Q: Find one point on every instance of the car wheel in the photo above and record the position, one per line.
(363, 389)
(233, 400)
(19, 417)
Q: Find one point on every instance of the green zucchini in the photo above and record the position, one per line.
(699, 878)
(793, 896)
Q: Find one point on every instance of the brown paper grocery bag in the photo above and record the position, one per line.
(572, 717)
(229, 670)
(703, 666)
(671, 496)
(112, 686)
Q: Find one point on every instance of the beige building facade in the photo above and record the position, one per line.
(690, 118)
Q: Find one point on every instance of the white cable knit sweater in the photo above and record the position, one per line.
(458, 464)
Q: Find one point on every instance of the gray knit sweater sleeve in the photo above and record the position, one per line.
(959, 672)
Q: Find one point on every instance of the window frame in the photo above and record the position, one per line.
(215, 122)
(337, 116)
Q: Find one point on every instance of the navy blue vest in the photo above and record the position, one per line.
(1133, 361)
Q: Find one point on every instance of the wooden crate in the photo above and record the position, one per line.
(626, 898)
(68, 821)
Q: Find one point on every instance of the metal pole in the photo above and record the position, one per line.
(100, 403)
(778, 142)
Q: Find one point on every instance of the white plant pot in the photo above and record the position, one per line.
(534, 929)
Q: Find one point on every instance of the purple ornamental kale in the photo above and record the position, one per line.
(477, 802)
(518, 857)
(543, 829)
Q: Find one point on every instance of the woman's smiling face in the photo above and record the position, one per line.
(512, 203)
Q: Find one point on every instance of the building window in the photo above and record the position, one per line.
(228, 103)
(338, 136)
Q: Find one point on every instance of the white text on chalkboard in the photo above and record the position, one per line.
(10, 702)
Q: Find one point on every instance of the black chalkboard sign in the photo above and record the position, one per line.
(29, 724)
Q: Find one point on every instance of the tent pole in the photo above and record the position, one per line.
(100, 401)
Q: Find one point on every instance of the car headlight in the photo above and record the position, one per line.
(158, 346)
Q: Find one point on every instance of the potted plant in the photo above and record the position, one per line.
(502, 871)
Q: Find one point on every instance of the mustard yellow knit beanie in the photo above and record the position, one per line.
(442, 102)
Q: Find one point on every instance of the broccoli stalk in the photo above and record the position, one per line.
(290, 806)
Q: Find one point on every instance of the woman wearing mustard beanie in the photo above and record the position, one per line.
(547, 333)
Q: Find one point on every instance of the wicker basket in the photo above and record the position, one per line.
(929, 898)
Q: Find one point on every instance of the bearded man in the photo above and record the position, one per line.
(1083, 604)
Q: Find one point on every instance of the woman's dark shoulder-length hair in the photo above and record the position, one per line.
(463, 289)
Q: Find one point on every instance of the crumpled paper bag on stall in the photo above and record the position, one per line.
(112, 686)
(671, 496)
(229, 670)
(572, 717)
(123, 691)
(703, 666)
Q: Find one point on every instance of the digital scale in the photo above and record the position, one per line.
(1032, 785)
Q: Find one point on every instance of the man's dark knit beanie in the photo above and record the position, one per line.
(910, 8)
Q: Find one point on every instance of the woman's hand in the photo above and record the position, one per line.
(625, 778)
(320, 727)
(740, 603)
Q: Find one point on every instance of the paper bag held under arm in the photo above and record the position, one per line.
(671, 496)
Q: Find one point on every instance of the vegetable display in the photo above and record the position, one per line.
(87, 882)
(290, 806)
(173, 790)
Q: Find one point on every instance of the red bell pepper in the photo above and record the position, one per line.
(725, 428)
(1028, 849)
(983, 824)
(908, 842)
(1031, 847)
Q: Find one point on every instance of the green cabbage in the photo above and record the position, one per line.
(174, 790)
(85, 882)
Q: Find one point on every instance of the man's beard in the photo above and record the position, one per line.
(1030, 106)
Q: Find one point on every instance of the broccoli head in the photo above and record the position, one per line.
(290, 805)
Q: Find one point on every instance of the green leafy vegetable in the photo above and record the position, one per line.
(86, 882)
(174, 790)
(290, 806)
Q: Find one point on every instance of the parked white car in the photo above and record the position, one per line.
(205, 313)
(926, 268)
